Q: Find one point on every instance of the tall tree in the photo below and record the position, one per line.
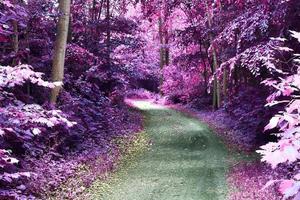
(60, 47)
(216, 83)
(15, 41)
(108, 33)
(161, 40)
(163, 32)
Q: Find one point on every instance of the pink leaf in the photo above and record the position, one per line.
(285, 185)
(273, 123)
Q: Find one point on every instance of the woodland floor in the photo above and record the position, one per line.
(185, 160)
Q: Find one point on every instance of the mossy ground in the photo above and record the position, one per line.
(184, 161)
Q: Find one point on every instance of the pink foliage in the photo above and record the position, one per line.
(181, 84)
(287, 149)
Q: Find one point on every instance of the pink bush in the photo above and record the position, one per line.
(182, 85)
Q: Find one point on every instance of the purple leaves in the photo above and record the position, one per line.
(5, 158)
(35, 114)
(20, 123)
(296, 35)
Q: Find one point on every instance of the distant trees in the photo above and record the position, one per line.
(60, 47)
(227, 34)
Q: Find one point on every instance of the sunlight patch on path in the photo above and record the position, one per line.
(145, 105)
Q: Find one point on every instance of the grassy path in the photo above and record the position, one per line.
(186, 161)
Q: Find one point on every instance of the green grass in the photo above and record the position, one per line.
(185, 161)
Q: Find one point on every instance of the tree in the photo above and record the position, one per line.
(216, 84)
(15, 40)
(60, 47)
(108, 32)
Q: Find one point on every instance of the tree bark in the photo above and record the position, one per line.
(167, 50)
(166, 34)
(161, 39)
(108, 33)
(70, 29)
(60, 47)
(15, 41)
(161, 49)
(225, 84)
(94, 11)
(205, 68)
(216, 84)
(100, 10)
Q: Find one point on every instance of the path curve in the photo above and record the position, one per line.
(186, 160)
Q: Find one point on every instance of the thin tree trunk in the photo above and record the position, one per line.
(161, 49)
(166, 34)
(94, 11)
(216, 96)
(216, 84)
(224, 83)
(28, 54)
(167, 50)
(70, 30)
(15, 41)
(161, 39)
(108, 33)
(205, 68)
(100, 10)
(60, 47)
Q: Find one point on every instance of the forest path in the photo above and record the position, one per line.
(186, 161)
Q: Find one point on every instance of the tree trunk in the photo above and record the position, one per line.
(108, 33)
(224, 83)
(216, 84)
(161, 39)
(94, 11)
(100, 10)
(60, 47)
(161, 49)
(205, 68)
(27, 35)
(70, 30)
(15, 41)
(167, 50)
(166, 33)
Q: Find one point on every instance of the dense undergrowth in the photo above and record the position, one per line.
(42, 146)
